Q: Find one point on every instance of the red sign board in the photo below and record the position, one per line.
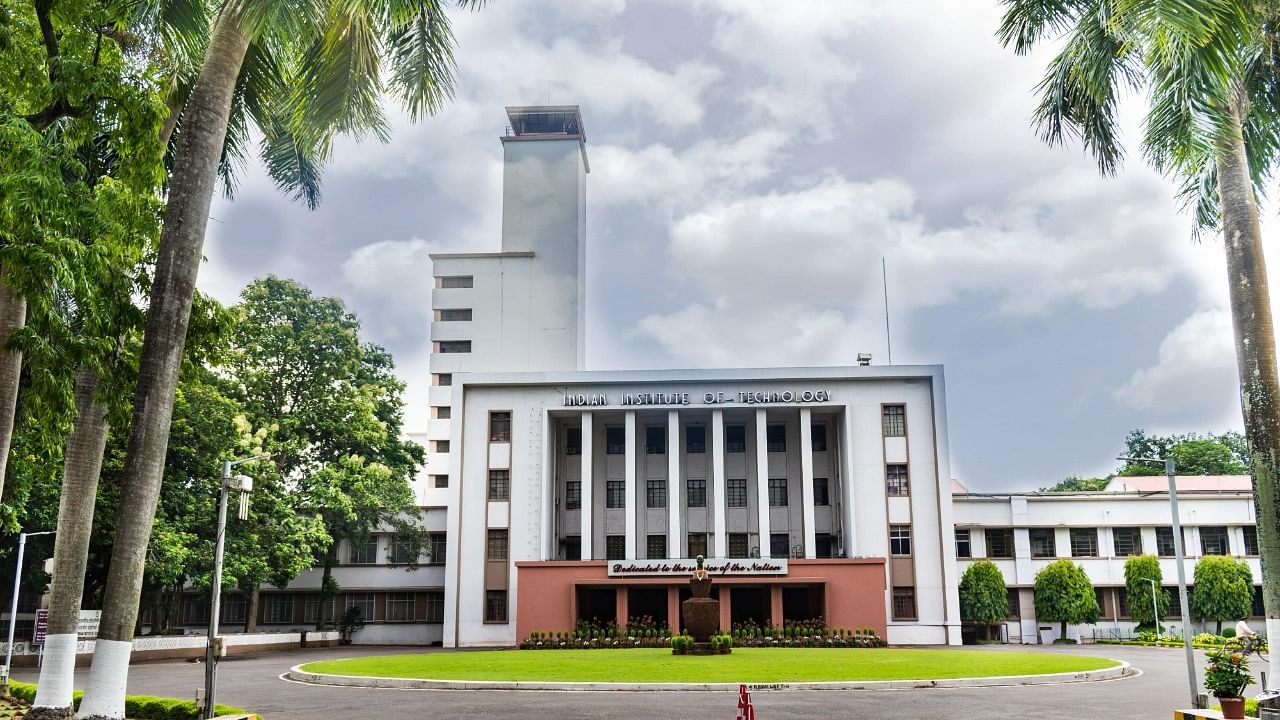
(42, 627)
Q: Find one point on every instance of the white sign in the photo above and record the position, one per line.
(722, 397)
(717, 567)
(87, 626)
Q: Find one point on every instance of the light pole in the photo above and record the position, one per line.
(1155, 609)
(1182, 572)
(13, 605)
(213, 648)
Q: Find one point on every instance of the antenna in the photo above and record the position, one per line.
(884, 276)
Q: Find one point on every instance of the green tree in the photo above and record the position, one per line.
(1193, 454)
(1138, 569)
(1223, 590)
(1206, 70)
(1064, 594)
(983, 595)
(1075, 483)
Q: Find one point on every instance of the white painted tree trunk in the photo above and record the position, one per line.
(57, 676)
(108, 676)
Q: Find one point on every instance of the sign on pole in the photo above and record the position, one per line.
(42, 627)
(87, 625)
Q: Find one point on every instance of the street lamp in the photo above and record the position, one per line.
(13, 606)
(1155, 609)
(242, 484)
(1182, 572)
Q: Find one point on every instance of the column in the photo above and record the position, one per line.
(620, 610)
(588, 484)
(632, 507)
(719, 529)
(775, 605)
(762, 483)
(674, 455)
(726, 609)
(673, 607)
(806, 482)
(848, 534)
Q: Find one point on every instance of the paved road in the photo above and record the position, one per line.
(252, 682)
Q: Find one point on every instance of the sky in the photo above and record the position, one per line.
(752, 163)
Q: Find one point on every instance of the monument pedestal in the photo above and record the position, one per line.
(701, 618)
(702, 648)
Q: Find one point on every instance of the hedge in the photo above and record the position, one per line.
(137, 707)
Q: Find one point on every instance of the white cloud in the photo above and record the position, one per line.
(391, 281)
(1194, 379)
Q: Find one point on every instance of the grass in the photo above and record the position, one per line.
(750, 665)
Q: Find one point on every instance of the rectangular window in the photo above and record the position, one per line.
(1258, 610)
(573, 441)
(444, 379)
(738, 545)
(195, 610)
(904, 603)
(777, 492)
(440, 446)
(233, 609)
(440, 481)
(317, 605)
(495, 606)
(697, 544)
(779, 545)
(775, 438)
(963, 547)
(442, 412)
(279, 608)
(572, 547)
(615, 494)
(656, 547)
(615, 547)
(362, 601)
(455, 314)
(1175, 601)
(696, 489)
(735, 438)
(1127, 541)
(573, 495)
(365, 553)
(401, 606)
(818, 436)
(453, 346)
(899, 539)
(499, 484)
(438, 545)
(402, 551)
(821, 492)
(435, 606)
(1164, 542)
(999, 542)
(1250, 539)
(615, 440)
(1084, 542)
(655, 490)
(499, 427)
(1213, 541)
(1122, 602)
(695, 439)
(896, 482)
(496, 545)
(456, 281)
(1044, 543)
(895, 420)
(735, 492)
(825, 545)
(655, 440)
(1015, 604)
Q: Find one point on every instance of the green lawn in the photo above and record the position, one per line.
(749, 665)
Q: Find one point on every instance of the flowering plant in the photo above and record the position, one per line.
(1227, 674)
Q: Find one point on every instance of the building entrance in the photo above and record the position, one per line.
(749, 605)
(598, 605)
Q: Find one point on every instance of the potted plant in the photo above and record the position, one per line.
(1226, 676)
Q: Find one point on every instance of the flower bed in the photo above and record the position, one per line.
(644, 633)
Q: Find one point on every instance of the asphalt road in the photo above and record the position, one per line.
(253, 682)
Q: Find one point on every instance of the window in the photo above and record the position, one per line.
(1165, 546)
(1250, 539)
(453, 346)
(777, 492)
(440, 481)
(735, 438)
(442, 412)
(1122, 603)
(695, 439)
(1258, 610)
(655, 440)
(1015, 603)
(499, 427)
(195, 610)
(894, 420)
(1127, 541)
(572, 547)
(656, 547)
(441, 446)
(438, 545)
(899, 539)
(455, 314)
(821, 492)
(573, 441)
(318, 608)
(655, 490)
(615, 440)
(233, 609)
(365, 553)
(964, 546)
(896, 482)
(779, 545)
(818, 437)
(1044, 544)
(279, 608)
(999, 542)
(1175, 601)
(402, 551)
(615, 547)
(456, 281)
(1213, 541)
(775, 438)
(696, 489)
(735, 492)
(435, 606)
(904, 603)
(495, 606)
(738, 545)
(496, 546)
(697, 544)
(825, 545)
(615, 494)
(1084, 542)
(363, 601)
(444, 379)
(573, 495)
(499, 484)
(401, 606)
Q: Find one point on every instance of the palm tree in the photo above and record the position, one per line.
(1210, 70)
(323, 62)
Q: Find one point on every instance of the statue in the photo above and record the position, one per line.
(701, 612)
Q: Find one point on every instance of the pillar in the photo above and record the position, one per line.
(775, 605)
(673, 608)
(588, 485)
(674, 455)
(621, 611)
(848, 536)
(719, 526)
(631, 506)
(726, 609)
(806, 482)
(762, 483)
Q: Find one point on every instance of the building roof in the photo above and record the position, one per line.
(1185, 483)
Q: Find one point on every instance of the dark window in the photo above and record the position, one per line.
(818, 435)
(904, 603)
(738, 545)
(456, 281)
(444, 379)
(1127, 541)
(401, 606)
(573, 495)
(1044, 544)
(573, 441)
(896, 482)
(1165, 547)
(963, 547)
(279, 608)
(696, 488)
(655, 440)
(435, 606)
(572, 547)
(454, 346)
(1250, 539)
(1084, 542)
(735, 438)
(1213, 541)
(1258, 609)
(440, 481)
(615, 547)
(365, 553)
(656, 492)
(695, 439)
(455, 314)
(316, 606)
(777, 492)
(615, 494)
(775, 438)
(825, 547)
(403, 551)
(899, 539)
(779, 545)
(615, 440)
(1122, 603)
(438, 544)
(697, 544)
(1015, 603)
(441, 446)
(443, 412)
(499, 427)
(735, 491)
(656, 547)
(495, 606)
(999, 542)
(497, 545)
(821, 492)
(1175, 601)
(895, 420)
(499, 484)
(233, 608)
(363, 602)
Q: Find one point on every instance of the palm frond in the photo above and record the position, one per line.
(295, 166)
(339, 85)
(1027, 22)
(420, 49)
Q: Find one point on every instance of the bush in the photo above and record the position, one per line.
(137, 707)
(1228, 632)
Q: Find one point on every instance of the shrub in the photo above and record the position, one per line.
(1224, 589)
(137, 707)
(983, 596)
(1227, 674)
(1064, 593)
(1228, 632)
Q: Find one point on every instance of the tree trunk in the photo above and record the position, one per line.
(326, 582)
(1255, 359)
(175, 607)
(1218, 632)
(1063, 636)
(181, 242)
(251, 612)
(13, 315)
(81, 468)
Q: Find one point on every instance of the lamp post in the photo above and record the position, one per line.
(13, 605)
(213, 648)
(1155, 609)
(1182, 572)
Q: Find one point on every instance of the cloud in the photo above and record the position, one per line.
(1194, 382)
(392, 281)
